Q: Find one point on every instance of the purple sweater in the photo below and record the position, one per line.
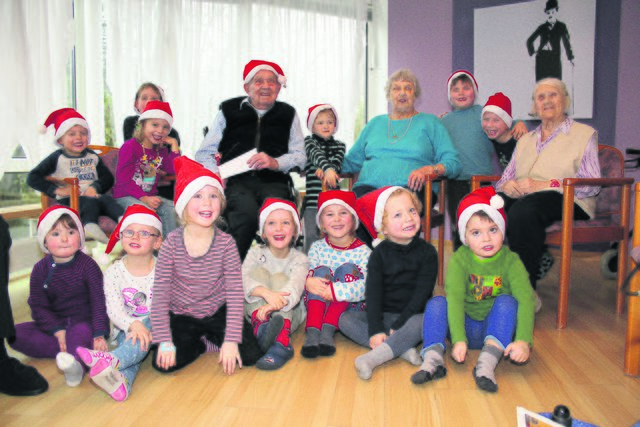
(197, 287)
(61, 294)
(136, 175)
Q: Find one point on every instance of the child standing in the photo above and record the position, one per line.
(337, 274)
(489, 303)
(65, 296)
(128, 292)
(141, 160)
(75, 160)
(273, 276)
(496, 124)
(401, 277)
(198, 284)
(469, 140)
(324, 162)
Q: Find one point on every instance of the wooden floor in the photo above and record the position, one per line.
(580, 367)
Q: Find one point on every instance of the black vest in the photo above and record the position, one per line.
(244, 130)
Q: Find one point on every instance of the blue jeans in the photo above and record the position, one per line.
(166, 211)
(499, 325)
(130, 355)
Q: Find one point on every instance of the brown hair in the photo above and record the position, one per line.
(66, 221)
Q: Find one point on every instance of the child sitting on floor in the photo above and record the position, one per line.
(273, 277)
(338, 270)
(489, 303)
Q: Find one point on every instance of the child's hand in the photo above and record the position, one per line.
(519, 130)
(264, 312)
(320, 173)
(62, 340)
(172, 143)
(229, 355)
(90, 192)
(63, 191)
(100, 344)
(153, 202)
(139, 332)
(317, 285)
(275, 299)
(518, 351)
(377, 339)
(331, 179)
(166, 355)
(459, 352)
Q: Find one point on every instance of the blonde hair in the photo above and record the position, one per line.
(296, 231)
(402, 75)
(557, 85)
(396, 193)
(219, 222)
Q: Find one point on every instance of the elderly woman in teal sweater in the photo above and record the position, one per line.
(403, 147)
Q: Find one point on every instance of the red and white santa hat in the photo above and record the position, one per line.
(191, 177)
(483, 199)
(50, 216)
(272, 204)
(63, 120)
(256, 65)
(499, 104)
(457, 74)
(345, 199)
(157, 110)
(317, 109)
(135, 214)
(370, 208)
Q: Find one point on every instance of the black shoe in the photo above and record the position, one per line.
(545, 264)
(17, 379)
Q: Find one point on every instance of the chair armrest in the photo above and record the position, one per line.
(478, 180)
(601, 182)
(74, 195)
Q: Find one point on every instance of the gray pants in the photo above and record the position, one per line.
(311, 232)
(354, 325)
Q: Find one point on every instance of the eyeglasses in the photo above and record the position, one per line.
(143, 234)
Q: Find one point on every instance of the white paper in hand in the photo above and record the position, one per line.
(236, 166)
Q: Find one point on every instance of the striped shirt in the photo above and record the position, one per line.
(197, 287)
(61, 294)
(322, 154)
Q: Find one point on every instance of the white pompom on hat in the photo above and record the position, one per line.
(273, 204)
(346, 199)
(483, 199)
(499, 104)
(256, 65)
(457, 74)
(157, 110)
(370, 208)
(317, 109)
(191, 177)
(63, 120)
(49, 217)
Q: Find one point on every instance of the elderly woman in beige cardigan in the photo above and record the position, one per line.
(531, 184)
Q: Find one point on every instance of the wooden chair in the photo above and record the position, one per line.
(632, 340)
(74, 201)
(610, 224)
(432, 218)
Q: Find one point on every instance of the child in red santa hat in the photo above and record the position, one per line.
(401, 275)
(489, 303)
(273, 276)
(198, 285)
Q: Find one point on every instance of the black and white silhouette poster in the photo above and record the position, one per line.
(515, 45)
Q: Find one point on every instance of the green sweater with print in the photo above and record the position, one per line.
(472, 284)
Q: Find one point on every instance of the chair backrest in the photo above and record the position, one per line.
(109, 156)
(608, 202)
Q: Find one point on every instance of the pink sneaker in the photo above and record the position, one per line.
(110, 380)
(91, 357)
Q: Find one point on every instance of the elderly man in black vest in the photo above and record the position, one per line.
(255, 121)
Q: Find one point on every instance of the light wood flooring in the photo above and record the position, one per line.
(581, 367)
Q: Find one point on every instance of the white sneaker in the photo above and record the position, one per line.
(93, 231)
(538, 302)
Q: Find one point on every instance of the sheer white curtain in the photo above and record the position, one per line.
(196, 51)
(36, 40)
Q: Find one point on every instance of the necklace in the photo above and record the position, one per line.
(340, 248)
(392, 135)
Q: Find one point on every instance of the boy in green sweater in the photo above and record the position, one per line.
(489, 303)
